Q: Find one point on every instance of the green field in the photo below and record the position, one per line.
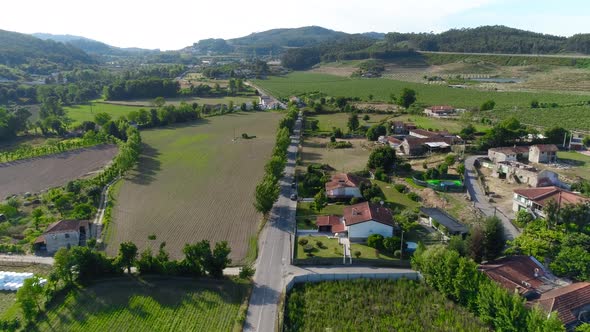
(305, 211)
(81, 113)
(149, 305)
(395, 198)
(340, 120)
(189, 100)
(194, 182)
(580, 163)
(429, 123)
(374, 305)
(574, 117)
(301, 82)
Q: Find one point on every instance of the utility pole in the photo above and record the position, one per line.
(401, 246)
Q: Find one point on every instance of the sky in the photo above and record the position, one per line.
(174, 24)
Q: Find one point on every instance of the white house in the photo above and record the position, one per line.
(441, 111)
(535, 199)
(344, 186)
(508, 153)
(64, 234)
(365, 219)
(543, 153)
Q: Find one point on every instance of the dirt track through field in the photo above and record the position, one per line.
(36, 174)
(193, 183)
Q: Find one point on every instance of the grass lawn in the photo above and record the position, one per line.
(330, 248)
(340, 120)
(81, 113)
(395, 197)
(305, 211)
(580, 164)
(342, 160)
(453, 126)
(369, 253)
(149, 305)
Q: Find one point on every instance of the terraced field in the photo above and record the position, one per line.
(148, 305)
(194, 182)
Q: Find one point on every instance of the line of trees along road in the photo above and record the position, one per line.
(267, 191)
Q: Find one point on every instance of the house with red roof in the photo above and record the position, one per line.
(571, 303)
(359, 222)
(543, 153)
(535, 199)
(520, 274)
(440, 111)
(344, 186)
(63, 234)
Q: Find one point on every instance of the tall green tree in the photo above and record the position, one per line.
(494, 240)
(407, 98)
(382, 157)
(353, 122)
(29, 298)
(127, 255)
(218, 260)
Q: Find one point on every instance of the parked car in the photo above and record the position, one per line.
(293, 197)
(293, 184)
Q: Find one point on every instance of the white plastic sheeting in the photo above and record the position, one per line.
(11, 281)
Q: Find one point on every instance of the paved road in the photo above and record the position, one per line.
(275, 251)
(481, 200)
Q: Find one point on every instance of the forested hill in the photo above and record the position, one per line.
(92, 46)
(35, 55)
(491, 39)
(272, 41)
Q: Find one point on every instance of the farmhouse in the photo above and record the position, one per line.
(414, 146)
(519, 173)
(571, 303)
(439, 219)
(543, 153)
(359, 222)
(63, 234)
(520, 274)
(344, 186)
(365, 219)
(401, 128)
(535, 199)
(515, 153)
(441, 111)
(390, 140)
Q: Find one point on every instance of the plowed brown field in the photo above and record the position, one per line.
(193, 182)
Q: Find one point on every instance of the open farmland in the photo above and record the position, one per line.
(193, 183)
(339, 120)
(148, 305)
(314, 151)
(302, 82)
(81, 113)
(146, 103)
(374, 305)
(36, 174)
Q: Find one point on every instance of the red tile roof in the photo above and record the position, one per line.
(393, 140)
(566, 300)
(546, 147)
(343, 180)
(327, 220)
(543, 195)
(440, 108)
(515, 273)
(66, 226)
(511, 149)
(362, 212)
(338, 228)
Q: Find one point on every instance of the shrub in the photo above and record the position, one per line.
(307, 222)
(354, 200)
(357, 254)
(375, 241)
(247, 272)
(413, 196)
(245, 136)
(397, 253)
(319, 243)
(400, 188)
(308, 248)
(302, 242)
(152, 237)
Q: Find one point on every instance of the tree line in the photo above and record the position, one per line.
(267, 191)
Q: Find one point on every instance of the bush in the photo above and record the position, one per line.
(400, 188)
(302, 242)
(247, 272)
(152, 237)
(308, 248)
(320, 244)
(397, 253)
(375, 241)
(413, 196)
(357, 254)
(354, 200)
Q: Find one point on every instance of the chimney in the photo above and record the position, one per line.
(536, 271)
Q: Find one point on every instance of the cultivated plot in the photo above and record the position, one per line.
(36, 174)
(195, 182)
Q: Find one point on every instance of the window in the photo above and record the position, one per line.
(67, 236)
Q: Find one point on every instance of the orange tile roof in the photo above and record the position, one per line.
(515, 273)
(566, 300)
(543, 195)
(546, 147)
(327, 220)
(365, 211)
(343, 180)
